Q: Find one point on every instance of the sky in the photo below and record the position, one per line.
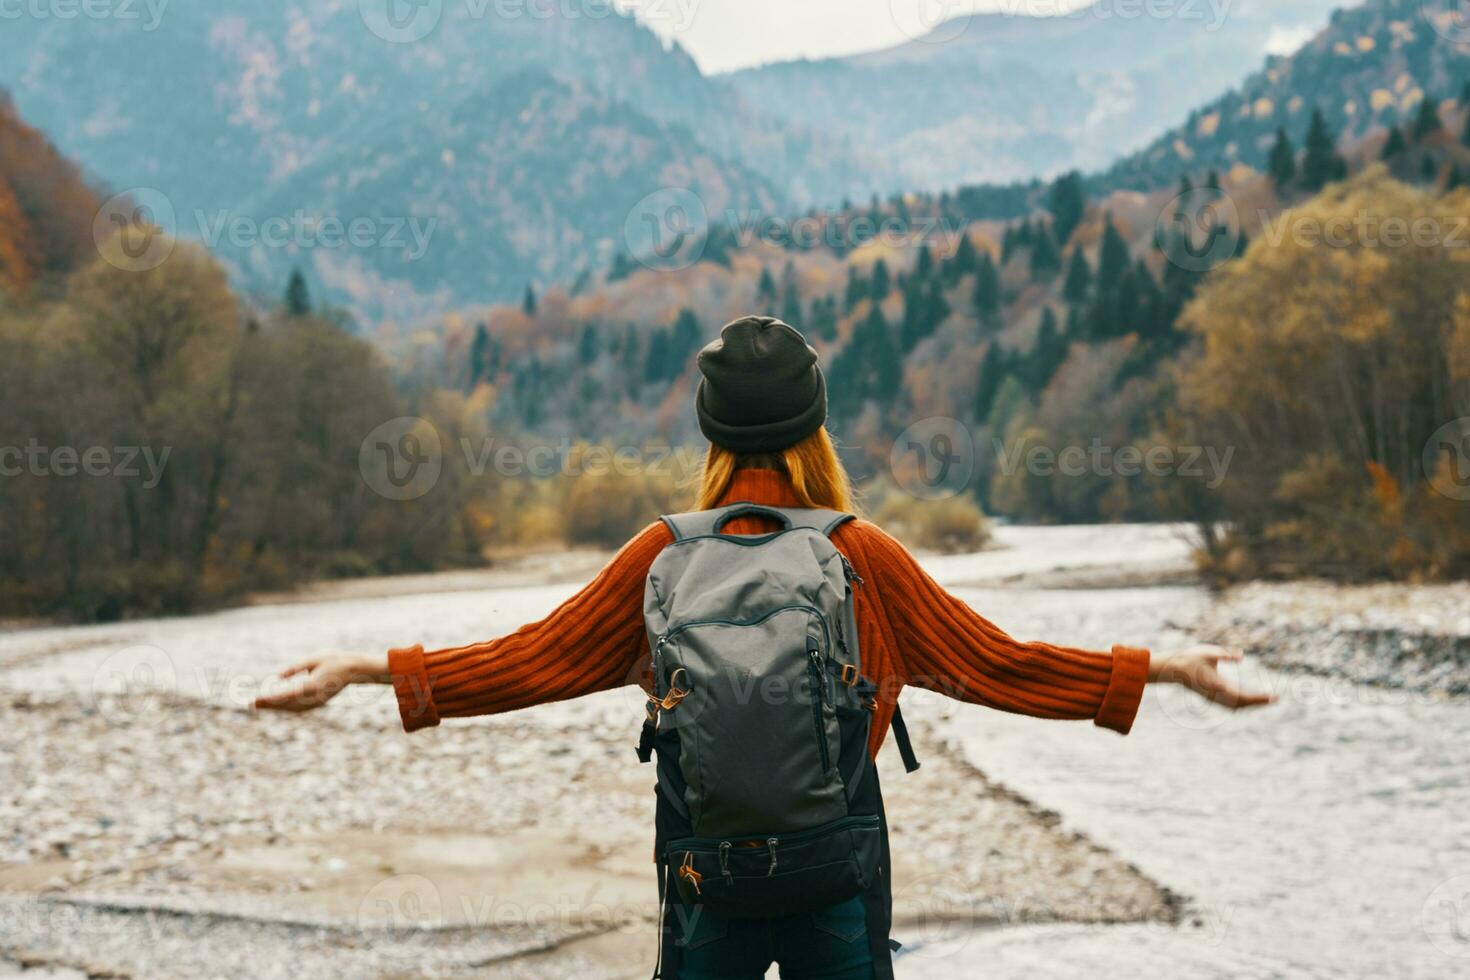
(722, 35)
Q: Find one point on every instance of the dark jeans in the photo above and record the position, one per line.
(831, 944)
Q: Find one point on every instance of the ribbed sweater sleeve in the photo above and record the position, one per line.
(943, 645)
(592, 642)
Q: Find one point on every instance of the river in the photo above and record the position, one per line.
(1325, 836)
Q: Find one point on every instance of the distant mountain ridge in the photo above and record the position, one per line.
(996, 97)
(272, 109)
(1368, 69)
(267, 108)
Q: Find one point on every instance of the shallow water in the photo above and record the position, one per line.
(1324, 837)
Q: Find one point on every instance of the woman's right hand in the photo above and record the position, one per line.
(322, 678)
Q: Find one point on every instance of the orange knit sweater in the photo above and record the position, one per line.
(910, 631)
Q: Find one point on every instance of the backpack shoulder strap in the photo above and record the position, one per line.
(702, 523)
(901, 737)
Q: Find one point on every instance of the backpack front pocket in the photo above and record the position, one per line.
(757, 734)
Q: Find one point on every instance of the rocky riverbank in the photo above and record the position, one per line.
(1410, 638)
(161, 836)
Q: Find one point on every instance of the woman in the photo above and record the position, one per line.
(762, 403)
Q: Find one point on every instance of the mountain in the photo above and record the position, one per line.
(264, 109)
(1369, 69)
(534, 173)
(1000, 97)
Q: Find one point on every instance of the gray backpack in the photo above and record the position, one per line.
(768, 801)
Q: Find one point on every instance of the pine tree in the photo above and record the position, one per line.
(1281, 162)
(870, 366)
(1079, 278)
(1048, 353)
(528, 302)
(1112, 257)
(480, 368)
(915, 325)
(1075, 329)
(298, 297)
(964, 261)
(880, 285)
(791, 306)
(824, 317)
(857, 289)
(1046, 259)
(1066, 199)
(1212, 181)
(992, 376)
(1455, 180)
(987, 290)
(1149, 321)
(924, 267)
(1427, 123)
(656, 361)
(1396, 144)
(765, 292)
(622, 267)
(684, 340)
(1429, 169)
(586, 344)
(1319, 159)
(935, 304)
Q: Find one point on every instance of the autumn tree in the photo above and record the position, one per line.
(1326, 369)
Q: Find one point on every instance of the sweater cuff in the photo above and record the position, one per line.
(411, 684)
(1125, 689)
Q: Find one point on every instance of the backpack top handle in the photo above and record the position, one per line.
(703, 523)
(750, 510)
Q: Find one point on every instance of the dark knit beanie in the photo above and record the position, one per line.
(762, 389)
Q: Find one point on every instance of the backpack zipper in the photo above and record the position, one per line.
(706, 845)
(819, 701)
(821, 618)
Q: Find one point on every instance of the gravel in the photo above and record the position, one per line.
(1414, 638)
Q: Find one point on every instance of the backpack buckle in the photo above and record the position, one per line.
(850, 674)
(675, 695)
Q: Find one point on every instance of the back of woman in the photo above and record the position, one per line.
(695, 624)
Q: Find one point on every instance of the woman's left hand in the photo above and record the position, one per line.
(1197, 668)
(323, 677)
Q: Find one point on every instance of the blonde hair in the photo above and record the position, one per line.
(816, 473)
